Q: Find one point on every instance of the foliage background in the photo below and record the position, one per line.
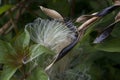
(87, 61)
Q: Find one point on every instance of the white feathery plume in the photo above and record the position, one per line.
(50, 33)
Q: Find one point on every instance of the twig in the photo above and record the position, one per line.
(16, 19)
(7, 24)
(19, 13)
(5, 27)
(20, 4)
(13, 21)
(72, 7)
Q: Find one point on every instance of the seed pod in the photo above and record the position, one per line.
(105, 33)
(64, 52)
(116, 2)
(51, 13)
(117, 17)
(107, 10)
(84, 18)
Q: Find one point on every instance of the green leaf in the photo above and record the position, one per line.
(4, 8)
(22, 40)
(37, 50)
(42, 75)
(116, 31)
(7, 72)
(38, 74)
(110, 45)
(5, 49)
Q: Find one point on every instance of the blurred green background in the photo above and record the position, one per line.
(90, 61)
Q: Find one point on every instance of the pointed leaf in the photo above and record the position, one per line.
(4, 8)
(22, 40)
(5, 49)
(7, 72)
(36, 51)
(43, 75)
(38, 74)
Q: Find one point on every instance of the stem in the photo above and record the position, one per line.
(16, 7)
(72, 7)
(21, 5)
(13, 22)
(5, 27)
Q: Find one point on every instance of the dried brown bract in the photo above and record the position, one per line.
(51, 13)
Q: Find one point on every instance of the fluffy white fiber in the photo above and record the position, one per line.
(50, 33)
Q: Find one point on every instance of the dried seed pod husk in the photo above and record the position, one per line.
(63, 52)
(84, 18)
(85, 25)
(105, 33)
(117, 17)
(116, 2)
(51, 13)
(107, 10)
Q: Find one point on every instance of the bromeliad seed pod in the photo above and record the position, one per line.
(51, 13)
(53, 34)
(50, 33)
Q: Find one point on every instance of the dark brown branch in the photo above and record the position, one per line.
(20, 4)
(72, 7)
(13, 21)
(21, 8)
(5, 27)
